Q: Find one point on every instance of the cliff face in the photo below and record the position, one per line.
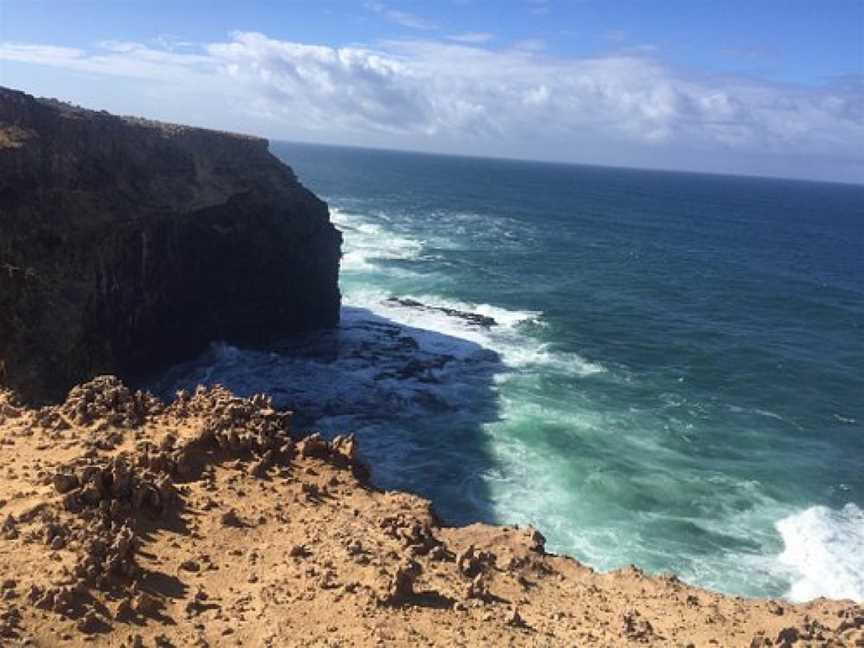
(127, 244)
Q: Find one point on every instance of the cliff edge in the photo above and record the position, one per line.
(209, 522)
(127, 244)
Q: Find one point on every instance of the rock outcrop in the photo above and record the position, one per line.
(127, 244)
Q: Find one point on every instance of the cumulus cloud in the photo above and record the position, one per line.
(432, 88)
(463, 91)
(329, 88)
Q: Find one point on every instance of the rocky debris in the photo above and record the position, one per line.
(536, 541)
(190, 566)
(775, 608)
(128, 245)
(146, 604)
(472, 562)
(10, 622)
(345, 448)
(105, 398)
(91, 623)
(850, 618)
(259, 467)
(105, 500)
(62, 599)
(10, 408)
(787, 637)
(636, 628)
(314, 445)
(400, 586)
(478, 588)
(65, 482)
(299, 551)
(115, 488)
(234, 424)
(515, 619)
(415, 535)
(231, 519)
(9, 529)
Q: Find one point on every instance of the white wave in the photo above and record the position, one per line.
(366, 242)
(562, 362)
(517, 349)
(502, 316)
(824, 548)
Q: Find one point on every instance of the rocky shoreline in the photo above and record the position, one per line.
(209, 522)
(126, 245)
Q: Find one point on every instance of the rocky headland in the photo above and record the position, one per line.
(127, 244)
(211, 520)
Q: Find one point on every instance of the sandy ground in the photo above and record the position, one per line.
(206, 523)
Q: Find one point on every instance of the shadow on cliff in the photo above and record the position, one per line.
(417, 399)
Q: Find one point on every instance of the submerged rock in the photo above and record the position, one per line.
(127, 244)
(476, 319)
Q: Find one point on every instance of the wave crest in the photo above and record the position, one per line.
(825, 549)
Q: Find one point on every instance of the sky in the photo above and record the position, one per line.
(756, 87)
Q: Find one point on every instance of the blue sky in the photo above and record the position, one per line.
(758, 87)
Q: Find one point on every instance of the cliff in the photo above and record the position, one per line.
(127, 244)
(209, 522)
(125, 521)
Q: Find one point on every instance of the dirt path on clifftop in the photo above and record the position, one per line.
(129, 523)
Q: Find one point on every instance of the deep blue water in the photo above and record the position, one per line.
(675, 377)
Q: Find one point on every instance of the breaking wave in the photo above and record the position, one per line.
(824, 548)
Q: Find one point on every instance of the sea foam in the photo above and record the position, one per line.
(367, 242)
(518, 349)
(824, 548)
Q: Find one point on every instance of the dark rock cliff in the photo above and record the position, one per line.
(127, 244)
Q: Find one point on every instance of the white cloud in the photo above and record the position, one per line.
(472, 38)
(26, 53)
(481, 100)
(437, 88)
(329, 88)
(117, 58)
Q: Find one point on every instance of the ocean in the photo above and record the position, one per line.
(656, 368)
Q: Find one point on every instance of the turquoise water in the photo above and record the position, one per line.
(675, 376)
